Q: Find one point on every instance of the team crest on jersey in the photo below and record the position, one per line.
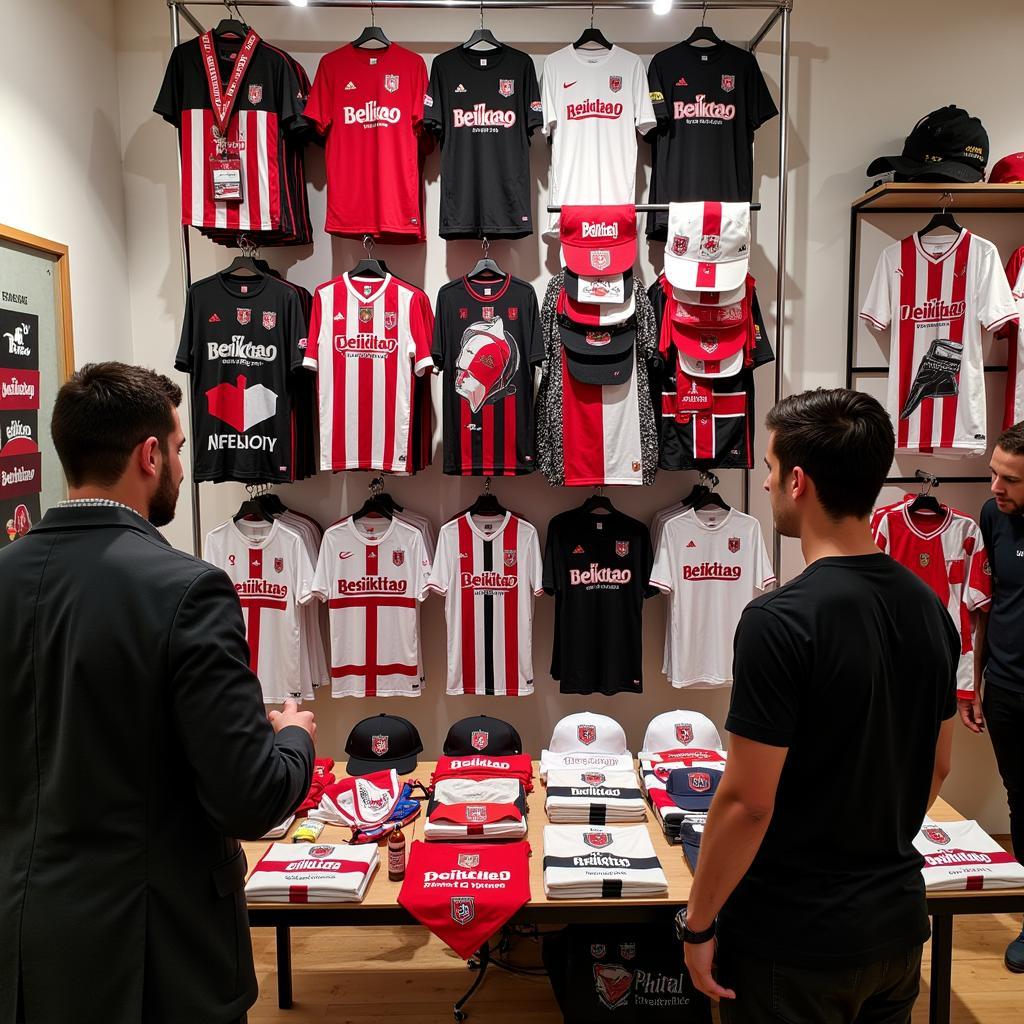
(476, 814)
(936, 835)
(987, 568)
(379, 745)
(728, 83)
(510, 557)
(593, 778)
(469, 860)
(615, 83)
(734, 544)
(487, 312)
(699, 782)
(506, 86)
(243, 316)
(398, 556)
(622, 548)
(255, 94)
(586, 734)
(600, 259)
(684, 732)
(478, 739)
(321, 851)
(598, 339)
(390, 321)
(598, 950)
(925, 559)
(513, 312)
(463, 313)
(278, 565)
(710, 246)
(597, 840)
(680, 243)
(365, 314)
(636, 465)
(463, 909)
(269, 320)
(627, 950)
(391, 83)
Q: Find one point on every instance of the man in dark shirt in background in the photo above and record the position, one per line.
(999, 640)
(840, 732)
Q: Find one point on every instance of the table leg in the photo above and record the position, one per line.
(942, 968)
(284, 967)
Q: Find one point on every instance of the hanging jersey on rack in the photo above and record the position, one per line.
(487, 341)
(241, 340)
(1013, 334)
(367, 340)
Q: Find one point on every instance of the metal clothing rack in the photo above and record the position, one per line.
(777, 11)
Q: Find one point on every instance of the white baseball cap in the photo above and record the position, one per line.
(589, 732)
(708, 246)
(673, 730)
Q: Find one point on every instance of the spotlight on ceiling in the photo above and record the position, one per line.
(659, 6)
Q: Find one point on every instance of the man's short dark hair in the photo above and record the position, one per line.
(103, 412)
(1011, 440)
(843, 440)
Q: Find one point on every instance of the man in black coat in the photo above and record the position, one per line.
(136, 750)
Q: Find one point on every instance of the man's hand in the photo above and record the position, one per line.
(699, 962)
(971, 714)
(291, 715)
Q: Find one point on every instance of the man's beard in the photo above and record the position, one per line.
(164, 501)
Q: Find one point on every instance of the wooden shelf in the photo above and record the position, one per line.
(903, 196)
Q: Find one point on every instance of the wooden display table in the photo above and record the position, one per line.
(380, 905)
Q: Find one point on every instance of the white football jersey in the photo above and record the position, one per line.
(489, 570)
(372, 575)
(273, 576)
(595, 103)
(313, 873)
(1013, 409)
(594, 798)
(595, 861)
(711, 564)
(961, 855)
(938, 293)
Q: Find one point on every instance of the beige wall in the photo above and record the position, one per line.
(860, 75)
(60, 156)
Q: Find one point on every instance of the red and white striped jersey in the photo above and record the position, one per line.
(372, 576)
(1013, 410)
(938, 293)
(489, 570)
(960, 855)
(948, 553)
(366, 340)
(272, 575)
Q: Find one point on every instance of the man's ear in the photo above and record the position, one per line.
(149, 456)
(800, 484)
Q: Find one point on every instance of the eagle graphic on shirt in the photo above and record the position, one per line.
(487, 363)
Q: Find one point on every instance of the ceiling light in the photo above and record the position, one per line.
(660, 6)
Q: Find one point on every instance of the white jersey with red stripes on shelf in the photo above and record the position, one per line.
(272, 574)
(1013, 333)
(489, 570)
(372, 576)
(960, 855)
(367, 340)
(938, 294)
(313, 873)
(947, 552)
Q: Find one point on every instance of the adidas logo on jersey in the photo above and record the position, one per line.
(682, 81)
(578, 550)
(692, 544)
(339, 316)
(351, 85)
(214, 319)
(460, 88)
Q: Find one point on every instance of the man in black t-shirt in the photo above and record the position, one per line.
(841, 728)
(999, 640)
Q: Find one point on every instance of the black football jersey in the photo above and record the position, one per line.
(598, 567)
(709, 101)
(487, 341)
(484, 107)
(240, 342)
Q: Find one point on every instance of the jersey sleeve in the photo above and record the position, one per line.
(644, 113)
(647, 563)
(296, 332)
(656, 89)
(763, 351)
(534, 106)
(304, 575)
(533, 336)
(309, 358)
(212, 551)
(552, 569)
(994, 299)
(441, 570)
(183, 358)
(169, 100)
(661, 573)
(534, 565)
(760, 105)
(439, 348)
(419, 96)
(548, 97)
(763, 571)
(292, 96)
(421, 323)
(321, 588)
(768, 667)
(319, 104)
(433, 102)
(880, 528)
(877, 309)
(1013, 273)
(978, 585)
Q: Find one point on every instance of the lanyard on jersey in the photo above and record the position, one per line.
(223, 99)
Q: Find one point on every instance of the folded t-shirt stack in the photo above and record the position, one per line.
(594, 862)
(322, 873)
(485, 766)
(594, 797)
(586, 742)
(962, 855)
(493, 808)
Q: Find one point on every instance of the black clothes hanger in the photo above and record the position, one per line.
(487, 503)
(252, 507)
(245, 262)
(943, 219)
(485, 265)
(709, 498)
(272, 503)
(235, 26)
(368, 266)
(372, 34)
(926, 501)
(597, 502)
(703, 32)
(377, 503)
(481, 35)
(591, 35)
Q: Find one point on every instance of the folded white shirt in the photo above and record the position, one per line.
(588, 861)
(594, 797)
(318, 873)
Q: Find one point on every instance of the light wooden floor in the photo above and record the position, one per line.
(399, 975)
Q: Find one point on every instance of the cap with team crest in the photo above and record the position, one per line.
(708, 246)
(381, 742)
(590, 314)
(606, 289)
(692, 789)
(587, 731)
(481, 734)
(676, 730)
(598, 239)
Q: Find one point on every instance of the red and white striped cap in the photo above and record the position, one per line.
(708, 246)
(727, 298)
(590, 314)
(598, 239)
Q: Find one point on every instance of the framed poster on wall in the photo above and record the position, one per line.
(36, 357)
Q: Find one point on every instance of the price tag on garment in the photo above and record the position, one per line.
(227, 179)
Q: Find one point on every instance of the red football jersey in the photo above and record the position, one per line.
(369, 104)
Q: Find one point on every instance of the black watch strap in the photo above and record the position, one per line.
(686, 934)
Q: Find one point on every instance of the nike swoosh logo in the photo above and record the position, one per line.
(569, 85)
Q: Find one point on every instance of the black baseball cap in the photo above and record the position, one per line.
(598, 355)
(381, 742)
(481, 734)
(947, 145)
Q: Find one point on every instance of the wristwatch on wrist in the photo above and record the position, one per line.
(685, 934)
